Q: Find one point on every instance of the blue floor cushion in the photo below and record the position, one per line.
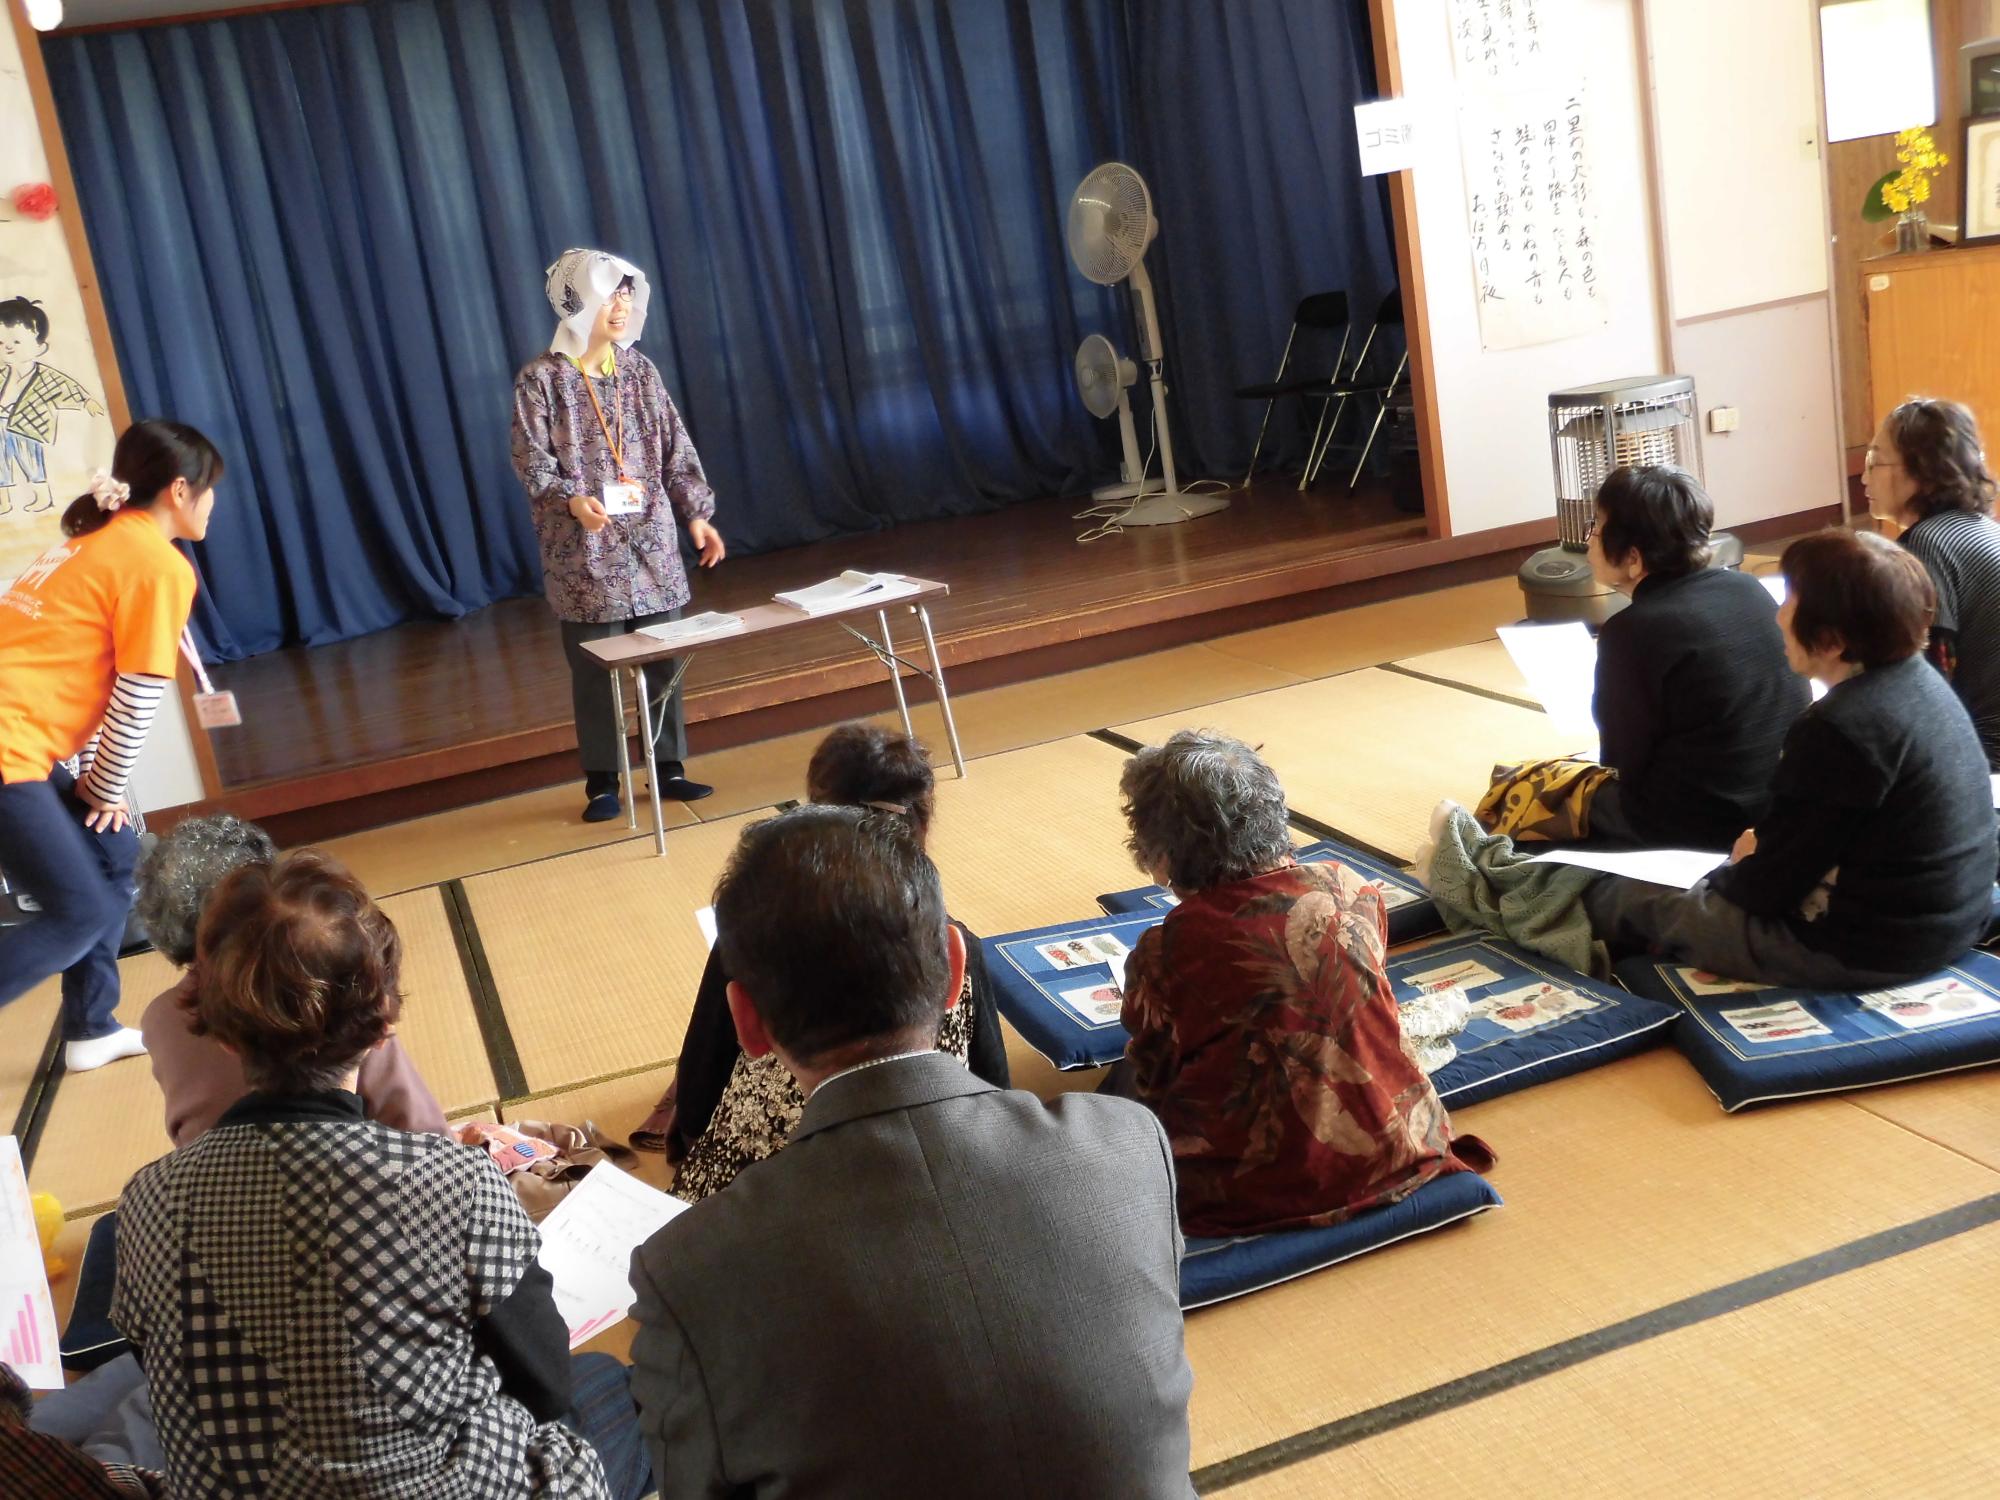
(1532, 1020)
(1060, 985)
(1412, 913)
(1215, 1270)
(1752, 1044)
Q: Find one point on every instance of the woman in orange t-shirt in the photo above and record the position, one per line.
(89, 638)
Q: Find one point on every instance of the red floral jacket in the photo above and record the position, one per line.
(1265, 1037)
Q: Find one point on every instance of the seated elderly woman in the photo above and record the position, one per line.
(199, 1078)
(324, 1305)
(1693, 696)
(1875, 861)
(1926, 473)
(1263, 1030)
(726, 1110)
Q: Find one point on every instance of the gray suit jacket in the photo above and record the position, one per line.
(938, 1288)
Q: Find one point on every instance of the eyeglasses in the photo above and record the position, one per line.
(1870, 461)
(623, 294)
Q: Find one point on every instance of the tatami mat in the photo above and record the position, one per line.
(596, 955)
(1625, 1187)
(1371, 633)
(1372, 752)
(439, 1028)
(1867, 1384)
(1960, 1111)
(1484, 665)
(1033, 836)
(106, 1124)
(488, 836)
(997, 719)
(24, 1034)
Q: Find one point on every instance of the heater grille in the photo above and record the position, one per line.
(1596, 429)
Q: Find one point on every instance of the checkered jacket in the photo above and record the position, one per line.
(303, 1296)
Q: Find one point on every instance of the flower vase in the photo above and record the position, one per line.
(1913, 232)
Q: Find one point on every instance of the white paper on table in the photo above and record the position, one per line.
(29, 1338)
(1679, 868)
(1560, 663)
(704, 918)
(587, 1246)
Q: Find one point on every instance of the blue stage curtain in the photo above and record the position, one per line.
(1244, 122)
(321, 235)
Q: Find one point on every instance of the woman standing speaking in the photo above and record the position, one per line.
(609, 467)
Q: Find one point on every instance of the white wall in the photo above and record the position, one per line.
(1493, 407)
(1774, 363)
(1751, 317)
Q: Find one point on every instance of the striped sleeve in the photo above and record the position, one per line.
(134, 701)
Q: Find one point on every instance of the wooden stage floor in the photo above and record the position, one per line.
(489, 694)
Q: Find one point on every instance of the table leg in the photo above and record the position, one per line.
(944, 698)
(896, 674)
(626, 788)
(652, 765)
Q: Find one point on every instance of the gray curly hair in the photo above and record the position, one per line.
(1206, 809)
(176, 878)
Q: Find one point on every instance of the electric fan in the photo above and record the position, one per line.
(1110, 225)
(1103, 375)
(1593, 430)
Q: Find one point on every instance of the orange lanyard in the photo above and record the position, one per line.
(617, 447)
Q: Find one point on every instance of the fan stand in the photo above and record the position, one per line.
(1135, 483)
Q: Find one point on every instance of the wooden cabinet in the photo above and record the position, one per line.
(1934, 329)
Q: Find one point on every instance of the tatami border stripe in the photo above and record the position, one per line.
(501, 1053)
(1464, 687)
(41, 1096)
(1689, 1311)
(1304, 822)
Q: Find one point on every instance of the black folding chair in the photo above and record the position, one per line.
(1388, 317)
(1319, 314)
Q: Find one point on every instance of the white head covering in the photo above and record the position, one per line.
(581, 282)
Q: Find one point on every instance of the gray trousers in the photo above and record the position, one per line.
(1699, 928)
(590, 696)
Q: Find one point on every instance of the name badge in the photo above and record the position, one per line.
(217, 710)
(624, 498)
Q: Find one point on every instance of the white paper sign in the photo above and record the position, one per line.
(1386, 132)
(1503, 42)
(587, 1246)
(1532, 212)
(1560, 663)
(1679, 868)
(28, 1333)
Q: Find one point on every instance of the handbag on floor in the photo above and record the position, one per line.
(1542, 801)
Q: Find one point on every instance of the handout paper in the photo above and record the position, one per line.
(851, 588)
(1560, 663)
(704, 918)
(1679, 868)
(587, 1246)
(28, 1335)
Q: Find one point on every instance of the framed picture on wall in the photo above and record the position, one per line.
(1980, 160)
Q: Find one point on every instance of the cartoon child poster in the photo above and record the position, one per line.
(33, 396)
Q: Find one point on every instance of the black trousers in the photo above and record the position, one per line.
(590, 696)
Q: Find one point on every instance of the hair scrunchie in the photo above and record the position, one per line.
(109, 493)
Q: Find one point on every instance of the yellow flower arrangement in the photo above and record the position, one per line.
(1921, 159)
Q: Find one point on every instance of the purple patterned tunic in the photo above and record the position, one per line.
(633, 566)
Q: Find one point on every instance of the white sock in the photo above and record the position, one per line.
(82, 1057)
